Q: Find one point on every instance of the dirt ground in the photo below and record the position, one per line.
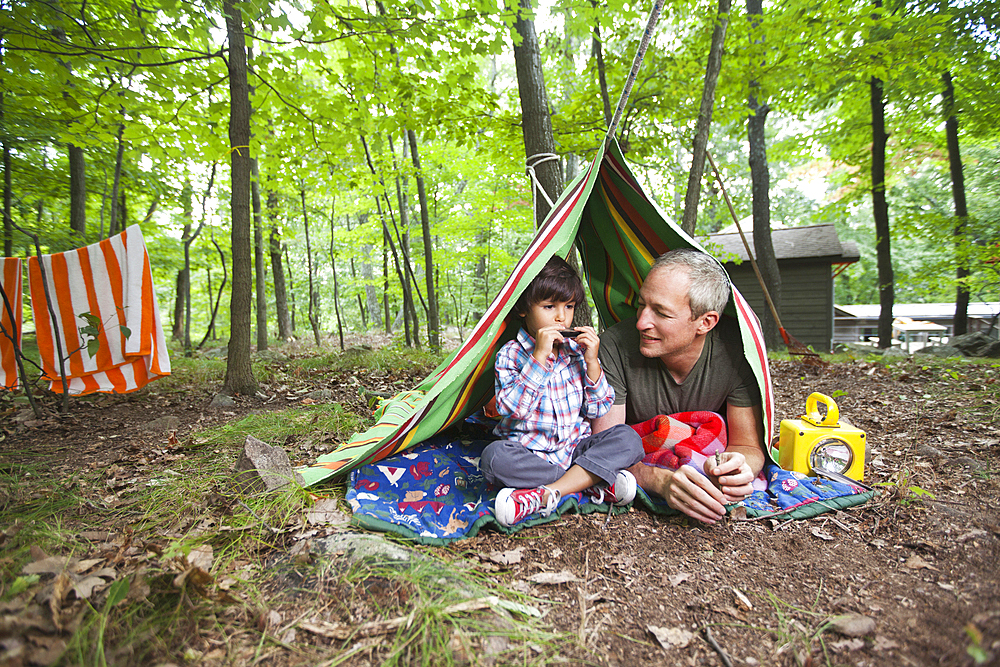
(910, 577)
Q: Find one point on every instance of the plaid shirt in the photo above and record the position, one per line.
(546, 407)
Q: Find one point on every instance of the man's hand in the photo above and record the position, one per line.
(692, 493)
(734, 475)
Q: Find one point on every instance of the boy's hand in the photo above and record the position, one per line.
(591, 343)
(545, 339)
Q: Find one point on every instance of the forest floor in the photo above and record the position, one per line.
(122, 543)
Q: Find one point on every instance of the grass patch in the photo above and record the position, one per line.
(278, 427)
(380, 360)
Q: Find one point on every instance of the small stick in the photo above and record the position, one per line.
(705, 630)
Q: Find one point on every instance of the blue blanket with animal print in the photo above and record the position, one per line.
(434, 493)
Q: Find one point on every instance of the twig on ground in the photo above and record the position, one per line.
(705, 630)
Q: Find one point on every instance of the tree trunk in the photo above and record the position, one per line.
(8, 192)
(239, 375)
(597, 50)
(8, 195)
(961, 321)
(291, 288)
(704, 124)
(385, 275)
(183, 292)
(208, 289)
(880, 210)
(78, 193)
(354, 276)
(313, 315)
(187, 262)
(536, 124)
(116, 185)
(218, 299)
(433, 315)
(760, 177)
(259, 270)
(336, 285)
(277, 270)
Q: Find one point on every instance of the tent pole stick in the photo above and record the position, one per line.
(654, 16)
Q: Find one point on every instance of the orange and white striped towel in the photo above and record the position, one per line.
(10, 280)
(113, 281)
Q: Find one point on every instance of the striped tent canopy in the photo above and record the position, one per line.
(619, 232)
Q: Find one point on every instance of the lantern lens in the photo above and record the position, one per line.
(831, 455)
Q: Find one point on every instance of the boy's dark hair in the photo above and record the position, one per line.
(557, 281)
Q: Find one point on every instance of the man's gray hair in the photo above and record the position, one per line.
(709, 288)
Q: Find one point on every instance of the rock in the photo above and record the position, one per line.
(941, 351)
(927, 450)
(971, 344)
(991, 351)
(222, 401)
(262, 467)
(853, 625)
(896, 352)
(856, 348)
(358, 547)
(163, 424)
(966, 462)
(320, 395)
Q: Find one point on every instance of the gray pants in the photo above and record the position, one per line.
(509, 463)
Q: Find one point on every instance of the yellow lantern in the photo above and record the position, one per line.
(815, 443)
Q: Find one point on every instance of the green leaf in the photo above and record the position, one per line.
(93, 345)
(117, 592)
(125, 330)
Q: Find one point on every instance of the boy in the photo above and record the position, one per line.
(549, 385)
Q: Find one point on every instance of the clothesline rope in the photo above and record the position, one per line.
(536, 185)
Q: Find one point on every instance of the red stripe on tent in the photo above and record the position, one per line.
(768, 397)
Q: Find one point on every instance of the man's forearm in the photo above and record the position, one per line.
(613, 417)
(746, 435)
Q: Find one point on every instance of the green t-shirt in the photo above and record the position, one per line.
(720, 376)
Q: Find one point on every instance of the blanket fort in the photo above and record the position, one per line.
(619, 232)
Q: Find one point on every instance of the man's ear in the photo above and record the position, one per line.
(708, 322)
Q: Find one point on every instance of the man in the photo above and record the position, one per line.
(677, 356)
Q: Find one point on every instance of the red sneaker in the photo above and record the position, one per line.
(514, 505)
(622, 492)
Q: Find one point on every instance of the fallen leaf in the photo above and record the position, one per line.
(85, 565)
(915, 562)
(85, 587)
(201, 556)
(49, 565)
(947, 587)
(848, 645)
(884, 644)
(47, 650)
(671, 637)
(742, 601)
(853, 625)
(553, 578)
(822, 535)
(511, 557)
(678, 579)
(327, 512)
